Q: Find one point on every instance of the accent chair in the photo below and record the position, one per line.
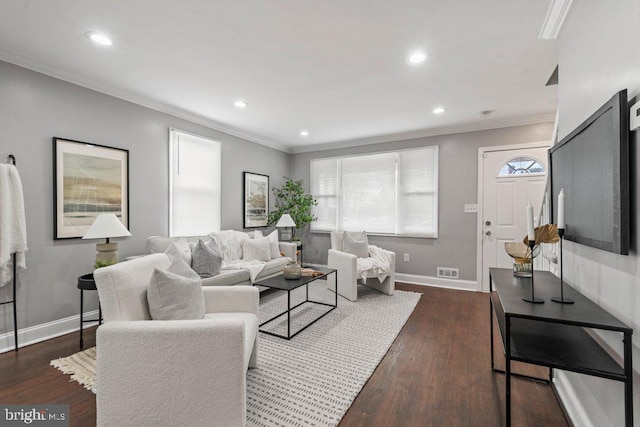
(172, 372)
(347, 266)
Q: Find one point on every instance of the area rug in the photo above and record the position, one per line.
(81, 366)
(312, 379)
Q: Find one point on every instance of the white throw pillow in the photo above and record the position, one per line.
(229, 242)
(356, 243)
(257, 234)
(274, 245)
(179, 249)
(256, 250)
(175, 293)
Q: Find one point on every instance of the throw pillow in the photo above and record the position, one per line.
(175, 293)
(229, 242)
(256, 250)
(206, 259)
(356, 243)
(179, 249)
(274, 246)
(257, 234)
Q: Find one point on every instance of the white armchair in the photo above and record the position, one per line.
(172, 372)
(347, 266)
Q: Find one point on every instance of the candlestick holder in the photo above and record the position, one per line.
(561, 299)
(533, 298)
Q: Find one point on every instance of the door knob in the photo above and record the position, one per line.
(488, 233)
(487, 223)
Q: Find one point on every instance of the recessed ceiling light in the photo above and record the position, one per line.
(304, 133)
(241, 104)
(439, 110)
(99, 38)
(417, 57)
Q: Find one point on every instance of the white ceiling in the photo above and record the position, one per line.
(335, 67)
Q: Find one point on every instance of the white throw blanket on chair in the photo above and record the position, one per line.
(377, 265)
(13, 229)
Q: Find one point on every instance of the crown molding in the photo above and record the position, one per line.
(108, 89)
(557, 13)
(445, 130)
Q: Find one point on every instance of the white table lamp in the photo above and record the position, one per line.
(286, 223)
(106, 226)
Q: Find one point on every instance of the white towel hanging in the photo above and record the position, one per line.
(13, 230)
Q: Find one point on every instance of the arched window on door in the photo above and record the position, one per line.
(521, 166)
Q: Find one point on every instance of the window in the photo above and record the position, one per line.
(385, 193)
(194, 184)
(521, 166)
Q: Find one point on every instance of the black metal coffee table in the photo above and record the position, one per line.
(280, 283)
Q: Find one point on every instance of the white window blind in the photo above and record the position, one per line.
(195, 180)
(386, 193)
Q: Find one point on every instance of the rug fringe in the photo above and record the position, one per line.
(74, 363)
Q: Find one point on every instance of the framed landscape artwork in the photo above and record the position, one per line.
(88, 179)
(256, 200)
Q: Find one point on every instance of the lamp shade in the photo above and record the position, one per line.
(106, 226)
(286, 221)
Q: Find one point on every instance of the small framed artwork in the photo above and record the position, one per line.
(88, 179)
(256, 200)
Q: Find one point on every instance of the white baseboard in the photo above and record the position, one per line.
(45, 331)
(438, 282)
(569, 401)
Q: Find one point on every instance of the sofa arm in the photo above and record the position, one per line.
(289, 249)
(392, 259)
(186, 372)
(346, 264)
(231, 299)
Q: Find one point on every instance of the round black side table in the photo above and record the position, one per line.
(86, 283)
(299, 247)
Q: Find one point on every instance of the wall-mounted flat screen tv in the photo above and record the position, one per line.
(591, 164)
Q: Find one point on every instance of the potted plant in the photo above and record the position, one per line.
(291, 198)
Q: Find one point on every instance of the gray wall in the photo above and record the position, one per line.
(598, 56)
(33, 109)
(458, 184)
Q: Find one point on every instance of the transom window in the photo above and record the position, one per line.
(521, 166)
(393, 193)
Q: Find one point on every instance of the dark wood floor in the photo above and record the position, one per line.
(437, 373)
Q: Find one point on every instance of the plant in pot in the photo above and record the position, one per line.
(291, 198)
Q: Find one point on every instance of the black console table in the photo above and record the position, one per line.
(553, 334)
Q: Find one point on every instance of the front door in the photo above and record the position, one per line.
(512, 179)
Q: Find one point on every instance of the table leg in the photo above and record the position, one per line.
(288, 315)
(81, 318)
(491, 331)
(336, 292)
(628, 382)
(508, 371)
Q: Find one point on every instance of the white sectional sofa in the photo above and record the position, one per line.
(228, 277)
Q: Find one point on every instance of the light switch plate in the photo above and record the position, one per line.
(470, 208)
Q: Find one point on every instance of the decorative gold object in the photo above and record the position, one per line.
(521, 252)
(310, 272)
(545, 234)
(521, 255)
